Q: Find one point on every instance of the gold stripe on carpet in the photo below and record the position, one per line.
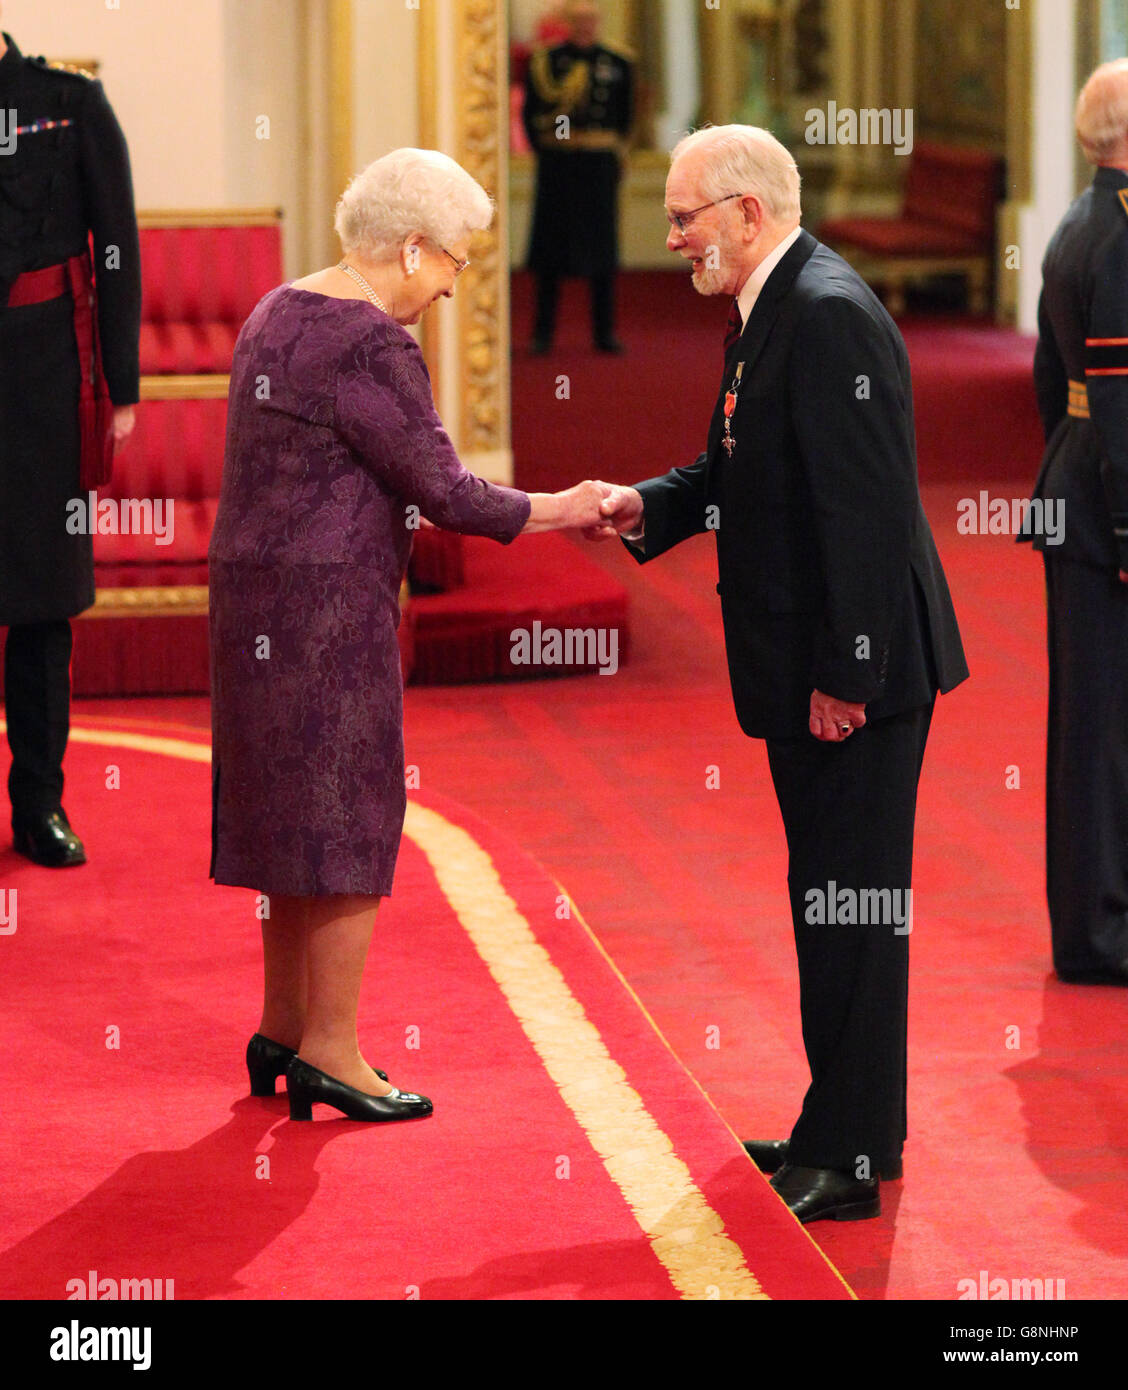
(686, 1234)
(143, 743)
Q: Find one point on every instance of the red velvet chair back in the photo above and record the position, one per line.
(956, 187)
(207, 274)
(176, 450)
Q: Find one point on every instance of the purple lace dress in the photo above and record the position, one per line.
(332, 436)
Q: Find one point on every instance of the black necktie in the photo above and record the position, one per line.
(734, 327)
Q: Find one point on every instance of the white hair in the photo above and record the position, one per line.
(410, 191)
(1102, 111)
(746, 159)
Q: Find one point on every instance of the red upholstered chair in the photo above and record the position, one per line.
(946, 225)
(202, 274)
(148, 630)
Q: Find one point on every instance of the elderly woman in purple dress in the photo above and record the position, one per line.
(334, 451)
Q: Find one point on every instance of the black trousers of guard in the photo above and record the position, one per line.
(849, 811)
(1087, 767)
(37, 709)
(602, 307)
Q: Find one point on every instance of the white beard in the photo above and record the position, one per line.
(706, 281)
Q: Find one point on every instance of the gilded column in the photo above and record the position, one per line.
(464, 111)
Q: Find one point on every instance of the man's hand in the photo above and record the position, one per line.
(621, 510)
(582, 505)
(124, 420)
(1124, 576)
(833, 720)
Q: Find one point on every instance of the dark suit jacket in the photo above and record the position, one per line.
(1083, 337)
(829, 577)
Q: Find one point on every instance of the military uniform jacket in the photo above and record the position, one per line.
(829, 576)
(64, 175)
(1083, 338)
(593, 87)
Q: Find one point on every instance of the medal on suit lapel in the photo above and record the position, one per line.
(730, 406)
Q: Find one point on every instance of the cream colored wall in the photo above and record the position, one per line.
(190, 84)
(263, 137)
(162, 67)
(385, 98)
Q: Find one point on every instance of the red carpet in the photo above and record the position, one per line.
(628, 417)
(1018, 1140)
(466, 634)
(570, 1155)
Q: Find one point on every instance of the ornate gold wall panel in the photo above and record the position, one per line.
(482, 97)
(464, 111)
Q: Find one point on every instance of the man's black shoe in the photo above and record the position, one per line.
(610, 345)
(1109, 975)
(817, 1194)
(48, 840)
(540, 347)
(769, 1155)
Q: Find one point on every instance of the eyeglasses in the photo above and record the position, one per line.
(681, 220)
(459, 266)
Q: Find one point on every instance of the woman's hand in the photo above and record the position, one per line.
(621, 512)
(576, 507)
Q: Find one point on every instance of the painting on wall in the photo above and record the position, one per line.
(961, 73)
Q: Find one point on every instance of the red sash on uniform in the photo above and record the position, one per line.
(95, 409)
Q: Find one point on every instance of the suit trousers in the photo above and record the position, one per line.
(37, 709)
(849, 811)
(1087, 767)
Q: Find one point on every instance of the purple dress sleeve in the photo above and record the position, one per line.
(386, 415)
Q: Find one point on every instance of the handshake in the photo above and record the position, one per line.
(599, 510)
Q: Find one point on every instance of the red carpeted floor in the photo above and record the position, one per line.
(570, 1154)
(1018, 1118)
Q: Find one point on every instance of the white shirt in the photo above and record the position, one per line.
(748, 296)
(746, 302)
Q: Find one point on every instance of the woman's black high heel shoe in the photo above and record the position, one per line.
(267, 1061)
(308, 1086)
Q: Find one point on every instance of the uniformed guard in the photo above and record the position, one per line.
(579, 99)
(1081, 376)
(68, 381)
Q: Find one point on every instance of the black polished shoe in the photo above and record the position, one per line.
(612, 345)
(816, 1194)
(769, 1155)
(1109, 975)
(49, 840)
(267, 1060)
(307, 1086)
(540, 347)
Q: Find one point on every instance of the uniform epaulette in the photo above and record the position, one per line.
(69, 69)
(1123, 196)
(620, 51)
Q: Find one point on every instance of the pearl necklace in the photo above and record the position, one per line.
(369, 293)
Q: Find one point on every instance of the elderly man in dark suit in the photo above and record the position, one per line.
(839, 627)
(1081, 376)
(64, 174)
